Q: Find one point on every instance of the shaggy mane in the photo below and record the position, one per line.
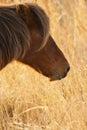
(14, 36)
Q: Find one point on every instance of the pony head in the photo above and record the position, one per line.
(27, 39)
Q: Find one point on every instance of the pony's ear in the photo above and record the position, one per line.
(24, 12)
(20, 8)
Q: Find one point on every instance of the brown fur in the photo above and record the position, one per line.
(24, 36)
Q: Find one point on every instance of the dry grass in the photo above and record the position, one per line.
(28, 100)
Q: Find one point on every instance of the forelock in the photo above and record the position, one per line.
(43, 22)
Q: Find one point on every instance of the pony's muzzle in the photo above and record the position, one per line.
(59, 76)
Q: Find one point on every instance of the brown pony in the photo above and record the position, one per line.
(24, 36)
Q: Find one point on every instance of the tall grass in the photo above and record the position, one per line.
(28, 100)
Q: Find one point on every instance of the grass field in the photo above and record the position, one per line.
(28, 100)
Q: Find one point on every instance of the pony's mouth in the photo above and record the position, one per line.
(54, 78)
(57, 77)
(51, 77)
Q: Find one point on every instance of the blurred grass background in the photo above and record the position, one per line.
(28, 100)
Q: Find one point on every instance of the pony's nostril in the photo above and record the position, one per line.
(68, 68)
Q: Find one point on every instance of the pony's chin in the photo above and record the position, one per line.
(55, 78)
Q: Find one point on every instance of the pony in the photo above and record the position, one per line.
(25, 37)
